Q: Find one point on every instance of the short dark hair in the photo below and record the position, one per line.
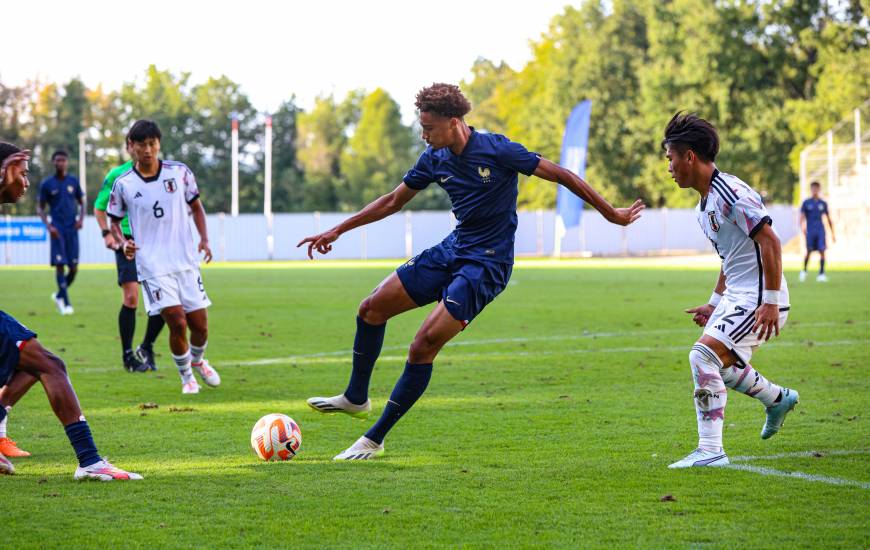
(816, 184)
(59, 153)
(7, 149)
(689, 131)
(144, 129)
(443, 99)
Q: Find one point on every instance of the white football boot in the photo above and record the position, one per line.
(6, 467)
(207, 373)
(68, 310)
(103, 471)
(701, 457)
(802, 276)
(59, 303)
(339, 404)
(191, 386)
(822, 278)
(363, 449)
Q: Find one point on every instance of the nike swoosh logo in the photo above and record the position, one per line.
(444, 180)
(447, 299)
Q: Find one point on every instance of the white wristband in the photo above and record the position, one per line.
(771, 296)
(714, 299)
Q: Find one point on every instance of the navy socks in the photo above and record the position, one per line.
(409, 388)
(61, 285)
(79, 435)
(366, 349)
(155, 325)
(127, 326)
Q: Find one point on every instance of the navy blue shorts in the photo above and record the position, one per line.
(65, 249)
(13, 335)
(816, 240)
(126, 268)
(466, 286)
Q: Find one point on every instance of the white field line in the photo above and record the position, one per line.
(306, 358)
(761, 470)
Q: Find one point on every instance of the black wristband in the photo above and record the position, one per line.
(106, 232)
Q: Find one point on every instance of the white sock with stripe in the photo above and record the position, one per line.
(196, 353)
(746, 379)
(710, 396)
(183, 364)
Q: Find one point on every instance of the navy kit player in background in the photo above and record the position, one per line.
(63, 195)
(23, 359)
(159, 197)
(813, 229)
(750, 301)
(463, 273)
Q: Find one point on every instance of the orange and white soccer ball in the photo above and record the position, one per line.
(276, 437)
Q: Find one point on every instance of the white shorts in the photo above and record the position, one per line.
(183, 288)
(732, 322)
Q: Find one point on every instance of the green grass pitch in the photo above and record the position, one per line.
(549, 422)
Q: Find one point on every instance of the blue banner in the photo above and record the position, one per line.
(22, 231)
(568, 205)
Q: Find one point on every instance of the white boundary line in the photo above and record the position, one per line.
(523, 340)
(799, 475)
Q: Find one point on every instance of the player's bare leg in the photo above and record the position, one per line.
(10, 394)
(386, 301)
(176, 320)
(438, 329)
(198, 323)
(51, 371)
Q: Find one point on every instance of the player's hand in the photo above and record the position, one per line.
(701, 314)
(626, 216)
(322, 242)
(766, 321)
(110, 242)
(203, 247)
(52, 230)
(129, 249)
(79, 224)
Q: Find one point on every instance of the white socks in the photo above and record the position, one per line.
(710, 396)
(3, 422)
(749, 381)
(196, 353)
(183, 364)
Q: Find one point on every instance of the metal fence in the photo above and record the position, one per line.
(255, 237)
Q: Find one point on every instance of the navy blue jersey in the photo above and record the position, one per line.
(62, 197)
(482, 185)
(813, 210)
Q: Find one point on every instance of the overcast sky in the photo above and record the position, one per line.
(273, 49)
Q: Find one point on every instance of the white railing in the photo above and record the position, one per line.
(255, 237)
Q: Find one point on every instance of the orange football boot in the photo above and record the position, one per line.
(10, 449)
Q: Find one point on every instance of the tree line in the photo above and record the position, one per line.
(771, 74)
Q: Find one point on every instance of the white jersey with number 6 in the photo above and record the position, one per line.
(159, 212)
(731, 215)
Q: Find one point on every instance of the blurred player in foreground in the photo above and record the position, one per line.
(23, 360)
(463, 273)
(159, 196)
(750, 302)
(143, 358)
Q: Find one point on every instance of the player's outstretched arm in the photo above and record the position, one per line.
(378, 209)
(551, 171)
(198, 211)
(767, 315)
(701, 314)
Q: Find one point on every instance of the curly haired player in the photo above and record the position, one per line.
(463, 273)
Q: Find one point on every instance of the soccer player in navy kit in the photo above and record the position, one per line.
(63, 195)
(23, 359)
(464, 272)
(814, 230)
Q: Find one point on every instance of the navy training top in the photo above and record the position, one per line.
(813, 210)
(482, 185)
(62, 197)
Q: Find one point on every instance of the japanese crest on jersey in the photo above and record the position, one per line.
(714, 225)
(170, 185)
(484, 174)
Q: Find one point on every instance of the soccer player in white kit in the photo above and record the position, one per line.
(750, 302)
(159, 196)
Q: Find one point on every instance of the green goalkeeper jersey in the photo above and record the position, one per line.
(102, 201)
